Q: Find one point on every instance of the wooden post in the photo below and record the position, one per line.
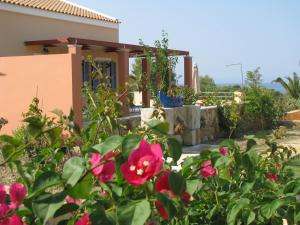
(146, 72)
(123, 76)
(188, 68)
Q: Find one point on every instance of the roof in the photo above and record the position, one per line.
(134, 50)
(64, 7)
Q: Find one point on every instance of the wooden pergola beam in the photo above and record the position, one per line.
(134, 50)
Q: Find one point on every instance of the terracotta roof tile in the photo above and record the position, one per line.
(62, 6)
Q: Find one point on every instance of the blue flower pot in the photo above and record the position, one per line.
(170, 102)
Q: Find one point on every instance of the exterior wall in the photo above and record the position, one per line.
(17, 28)
(49, 77)
(292, 115)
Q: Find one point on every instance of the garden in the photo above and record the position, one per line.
(104, 173)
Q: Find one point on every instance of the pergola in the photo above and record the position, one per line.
(124, 52)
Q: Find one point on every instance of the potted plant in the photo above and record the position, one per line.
(163, 74)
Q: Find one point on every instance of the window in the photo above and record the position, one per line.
(106, 67)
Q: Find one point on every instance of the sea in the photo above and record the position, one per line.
(275, 86)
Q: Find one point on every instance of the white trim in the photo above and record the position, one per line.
(57, 16)
(88, 9)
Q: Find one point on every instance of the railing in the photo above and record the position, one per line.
(220, 95)
(215, 98)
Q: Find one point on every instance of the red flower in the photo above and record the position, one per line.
(162, 211)
(272, 177)
(162, 184)
(84, 220)
(143, 163)
(17, 193)
(186, 197)
(2, 193)
(104, 171)
(223, 151)
(206, 163)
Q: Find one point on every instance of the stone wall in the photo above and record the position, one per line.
(210, 129)
(186, 117)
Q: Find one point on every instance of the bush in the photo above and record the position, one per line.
(264, 107)
(126, 179)
(189, 95)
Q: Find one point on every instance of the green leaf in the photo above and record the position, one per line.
(228, 143)
(159, 126)
(73, 170)
(116, 189)
(224, 173)
(250, 144)
(46, 205)
(35, 126)
(82, 189)
(98, 215)
(193, 185)
(130, 143)
(234, 211)
(251, 217)
(247, 187)
(110, 144)
(135, 213)
(44, 181)
(218, 159)
(250, 161)
(67, 208)
(177, 183)
(174, 148)
(268, 210)
(10, 140)
(54, 134)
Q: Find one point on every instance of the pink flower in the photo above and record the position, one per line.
(104, 171)
(65, 134)
(143, 163)
(162, 211)
(2, 193)
(84, 220)
(206, 163)
(4, 209)
(17, 193)
(208, 171)
(14, 220)
(71, 200)
(272, 177)
(223, 151)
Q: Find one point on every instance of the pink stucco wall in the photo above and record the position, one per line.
(49, 77)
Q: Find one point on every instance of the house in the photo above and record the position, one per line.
(43, 49)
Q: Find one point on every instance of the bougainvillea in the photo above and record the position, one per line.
(143, 163)
(92, 176)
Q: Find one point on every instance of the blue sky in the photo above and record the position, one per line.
(252, 32)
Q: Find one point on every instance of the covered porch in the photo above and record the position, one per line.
(118, 53)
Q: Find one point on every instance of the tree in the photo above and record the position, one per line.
(253, 78)
(207, 83)
(292, 86)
